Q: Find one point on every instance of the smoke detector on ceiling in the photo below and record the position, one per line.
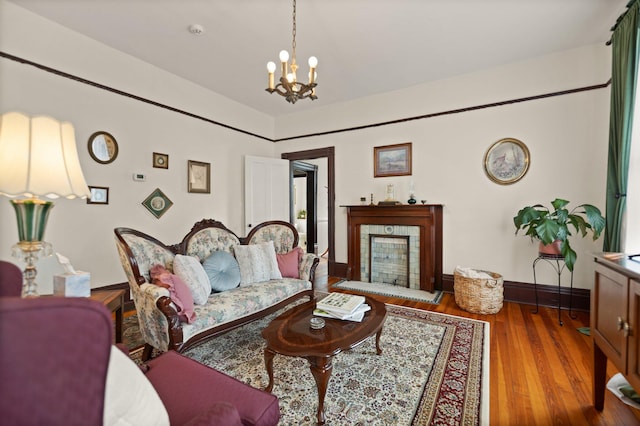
(196, 29)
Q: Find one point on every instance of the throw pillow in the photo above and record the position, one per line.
(289, 263)
(257, 262)
(223, 271)
(179, 292)
(140, 404)
(192, 273)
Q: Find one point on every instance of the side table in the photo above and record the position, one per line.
(114, 301)
(557, 262)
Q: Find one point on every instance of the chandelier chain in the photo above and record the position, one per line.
(293, 47)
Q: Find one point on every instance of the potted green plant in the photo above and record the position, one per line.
(552, 226)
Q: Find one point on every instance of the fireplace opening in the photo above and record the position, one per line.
(389, 259)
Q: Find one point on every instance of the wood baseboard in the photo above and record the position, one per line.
(518, 292)
(338, 270)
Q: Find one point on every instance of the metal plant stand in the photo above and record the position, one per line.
(558, 264)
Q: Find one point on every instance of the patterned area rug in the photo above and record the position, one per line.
(434, 370)
(391, 291)
(131, 336)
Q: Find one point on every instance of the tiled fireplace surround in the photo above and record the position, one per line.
(422, 224)
(390, 254)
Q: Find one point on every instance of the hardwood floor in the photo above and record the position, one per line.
(540, 371)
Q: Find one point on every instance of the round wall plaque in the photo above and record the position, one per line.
(506, 161)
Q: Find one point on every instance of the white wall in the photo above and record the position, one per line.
(83, 232)
(566, 135)
(631, 228)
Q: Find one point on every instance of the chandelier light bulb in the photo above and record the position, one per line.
(284, 56)
(290, 78)
(271, 67)
(313, 62)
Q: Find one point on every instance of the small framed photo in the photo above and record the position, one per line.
(506, 161)
(199, 177)
(157, 203)
(392, 160)
(160, 161)
(99, 195)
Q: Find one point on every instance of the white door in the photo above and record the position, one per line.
(266, 190)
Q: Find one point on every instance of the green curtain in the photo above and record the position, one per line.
(623, 93)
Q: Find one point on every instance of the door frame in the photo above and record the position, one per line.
(329, 154)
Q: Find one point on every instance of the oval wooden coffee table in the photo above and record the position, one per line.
(290, 334)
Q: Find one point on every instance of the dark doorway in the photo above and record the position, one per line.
(329, 154)
(307, 174)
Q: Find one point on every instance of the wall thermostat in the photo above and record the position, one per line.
(139, 177)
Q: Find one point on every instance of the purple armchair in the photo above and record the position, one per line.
(57, 363)
(10, 280)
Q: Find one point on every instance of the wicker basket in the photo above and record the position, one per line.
(480, 296)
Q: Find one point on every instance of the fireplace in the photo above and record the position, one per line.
(389, 259)
(419, 226)
(390, 255)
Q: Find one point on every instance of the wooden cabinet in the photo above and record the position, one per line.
(615, 321)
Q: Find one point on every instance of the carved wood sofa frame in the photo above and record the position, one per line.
(258, 234)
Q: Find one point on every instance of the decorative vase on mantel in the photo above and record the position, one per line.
(553, 249)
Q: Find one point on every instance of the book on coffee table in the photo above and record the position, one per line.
(340, 303)
(356, 316)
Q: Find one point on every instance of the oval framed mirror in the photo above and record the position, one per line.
(103, 147)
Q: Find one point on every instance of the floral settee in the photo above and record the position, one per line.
(161, 325)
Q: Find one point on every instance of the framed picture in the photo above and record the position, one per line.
(99, 195)
(199, 177)
(392, 160)
(157, 203)
(160, 161)
(506, 161)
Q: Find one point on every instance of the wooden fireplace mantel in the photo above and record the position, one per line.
(428, 217)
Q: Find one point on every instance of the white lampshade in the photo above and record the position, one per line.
(38, 157)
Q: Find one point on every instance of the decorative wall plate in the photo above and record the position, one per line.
(506, 161)
(157, 203)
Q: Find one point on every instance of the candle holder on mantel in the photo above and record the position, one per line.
(412, 199)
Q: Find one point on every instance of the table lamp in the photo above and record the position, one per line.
(38, 159)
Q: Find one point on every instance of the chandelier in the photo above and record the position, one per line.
(289, 86)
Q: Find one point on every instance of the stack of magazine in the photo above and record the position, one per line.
(342, 306)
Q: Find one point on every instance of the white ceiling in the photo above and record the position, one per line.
(363, 47)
